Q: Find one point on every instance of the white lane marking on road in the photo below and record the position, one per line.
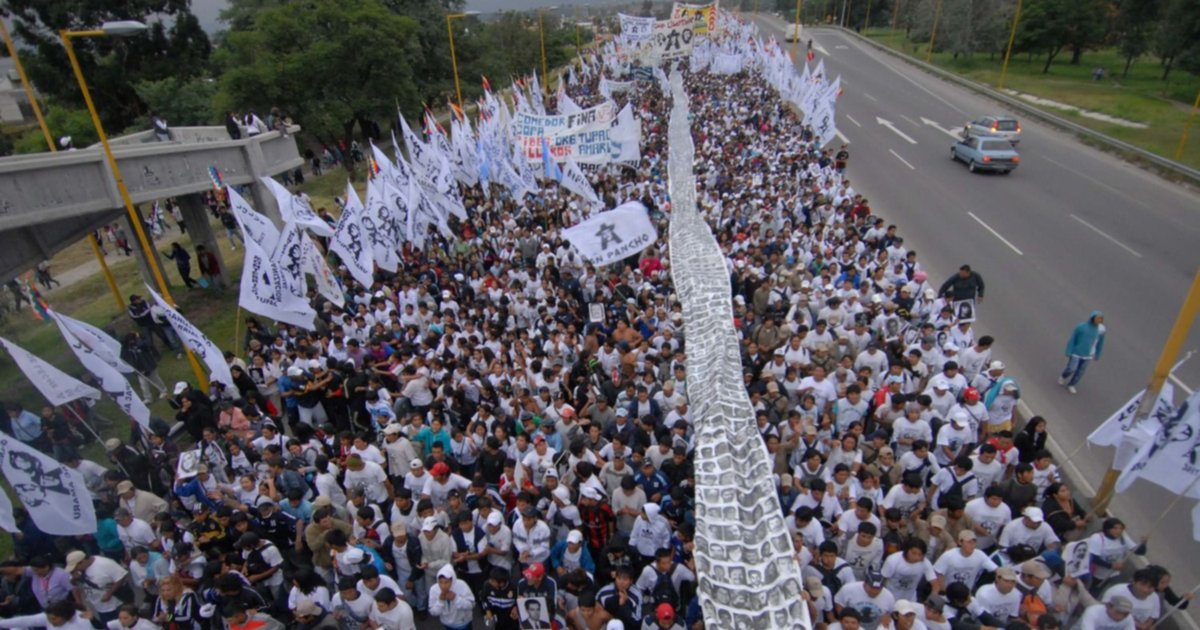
(891, 125)
(870, 97)
(935, 125)
(851, 119)
(995, 233)
(819, 48)
(1181, 384)
(887, 65)
(841, 136)
(902, 159)
(840, 47)
(913, 122)
(1107, 236)
(1097, 181)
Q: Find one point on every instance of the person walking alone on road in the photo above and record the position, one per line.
(1085, 345)
(964, 285)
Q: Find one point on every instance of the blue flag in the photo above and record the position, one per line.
(550, 168)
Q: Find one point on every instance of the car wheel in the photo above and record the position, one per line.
(953, 154)
(971, 166)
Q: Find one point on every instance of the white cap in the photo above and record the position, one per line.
(429, 524)
(179, 387)
(996, 365)
(416, 463)
(589, 492)
(905, 607)
(294, 371)
(1034, 514)
(494, 519)
(562, 493)
(353, 555)
(575, 536)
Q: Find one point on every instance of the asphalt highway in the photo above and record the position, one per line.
(1071, 230)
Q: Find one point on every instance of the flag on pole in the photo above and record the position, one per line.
(196, 341)
(56, 386)
(380, 227)
(262, 291)
(1171, 457)
(550, 169)
(1111, 431)
(315, 265)
(575, 181)
(255, 226)
(98, 341)
(56, 497)
(350, 242)
(111, 380)
(296, 209)
(613, 235)
(288, 257)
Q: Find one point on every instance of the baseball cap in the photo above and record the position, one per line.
(1034, 514)
(937, 520)
(1006, 573)
(874, 578)
(429, 524)
(416, 463)
(440, 468)
(664, 612)
(905, 607)
(73, 560)
(1035, 568)
(1120, 603)
(179, 387)
(534, 571)
(391, 429)
(112, 444)
(589, 492)
(966, 535)
(996, 365)
(494, 519)
(124, 486)
(575, 536)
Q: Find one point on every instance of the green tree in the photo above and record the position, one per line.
(1136, 25)
(62, 121)
(181, 102)
(113, 66)
(1178, 37)
(331, 64)
(1050, 26)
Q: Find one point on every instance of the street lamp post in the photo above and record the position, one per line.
(123, 28)
(1012, 37)
(41, 120)
(454, 56)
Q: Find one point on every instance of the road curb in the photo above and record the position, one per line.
(1162, 164)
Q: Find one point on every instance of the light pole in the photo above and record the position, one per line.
(542, 37)
(123, 28)
(454, 55)
(1012, 37)
(41, 120)
(937, 15)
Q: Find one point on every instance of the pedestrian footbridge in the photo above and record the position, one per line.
(49, 201)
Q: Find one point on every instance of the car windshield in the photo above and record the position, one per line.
(996, 145)
(1006, 125)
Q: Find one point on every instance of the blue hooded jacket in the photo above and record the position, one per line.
(1087, 340)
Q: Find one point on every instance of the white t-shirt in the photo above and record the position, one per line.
(901, 500)
(1003, 605)
(951, 437)
(872, 609)
(1143, 609)
(371, 479)
(1096, 617)
(1016, 533)
(903, 576)
(991, 519)
(954, 567)
(399, 617)
(100, 577)
(987, 474)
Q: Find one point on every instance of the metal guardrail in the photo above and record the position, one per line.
(1171, 166)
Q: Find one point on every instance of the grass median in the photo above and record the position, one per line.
(1141, 97)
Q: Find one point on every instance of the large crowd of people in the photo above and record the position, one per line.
(466, 444)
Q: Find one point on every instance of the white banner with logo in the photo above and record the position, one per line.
(296, 209)
(526, 125)
(262, 291)
(350, 243)
(56, 386)
(1171, 458)
(613, 235)
(255, 226)
(619, 141)
(55, 496)
(99, 341)
(635, 28)
(379, 226)
(314, 264)
(111, 380)
(197, 342)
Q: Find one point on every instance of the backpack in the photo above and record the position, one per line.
(663, 591)
(955, 490)
(829, 577)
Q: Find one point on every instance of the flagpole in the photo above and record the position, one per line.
(92, 431)
(1162, 369)
(1177, 607)
(542, 37)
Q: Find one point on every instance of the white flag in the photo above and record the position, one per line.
(262, 291)
(7, 522)
(823, 122)
(197, 342)
(380, 227)
(111, 380)
(55, 496)
(56, 386)
(566, 106)
(613, 235)
(288, 257)
(99, 342)
(255, 226)
(1196, 522)
(315, 265)
(575, 181)
(350, 243)
(1171, 458)
(296, 209)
